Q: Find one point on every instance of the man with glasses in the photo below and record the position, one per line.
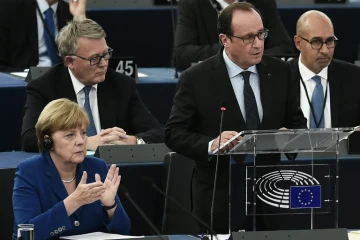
(196, 37)
(256, 92)
(117, 114)
(327, 88)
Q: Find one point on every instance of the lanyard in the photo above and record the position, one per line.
(317, 123)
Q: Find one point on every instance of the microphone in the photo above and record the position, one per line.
(148, 221)
(222, 109)
(173, 30)
(156, 187)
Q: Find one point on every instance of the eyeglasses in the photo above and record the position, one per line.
(97, 59)
(251, 38)
(317, 44)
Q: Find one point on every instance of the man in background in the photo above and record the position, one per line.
(196, 37)
(327, 88)
(28, 29)
(116, 112)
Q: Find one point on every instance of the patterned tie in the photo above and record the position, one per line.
(317, 102)
(50, 39)
(252, 113)
(91, 130)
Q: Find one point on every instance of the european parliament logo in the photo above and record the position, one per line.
(305, 196)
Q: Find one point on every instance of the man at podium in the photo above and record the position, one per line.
(254, 89)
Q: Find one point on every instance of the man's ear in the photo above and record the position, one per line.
(69, 62)
(224, 39)
(297, 42)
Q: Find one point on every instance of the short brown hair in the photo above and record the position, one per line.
(60, 114)
(225, 18)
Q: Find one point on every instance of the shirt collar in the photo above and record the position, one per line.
(78, 86)
(307, 74)
(224, 4)
(43, 5)
(233, 69)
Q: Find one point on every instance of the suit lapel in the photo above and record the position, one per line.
(65, 88)
(226, 92)
(296, 75)
(265, 89)
(106, 97)
(335, 88)
(54, 179)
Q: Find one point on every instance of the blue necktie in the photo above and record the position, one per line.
(252, 113)
(317, 102)
(50, 39)
(91, 130)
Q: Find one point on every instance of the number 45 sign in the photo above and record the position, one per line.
(126, 66)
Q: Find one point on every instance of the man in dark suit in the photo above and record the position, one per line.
(116, 112)
(22, 32)
(196, 37)
(338, 104)
(254, 89)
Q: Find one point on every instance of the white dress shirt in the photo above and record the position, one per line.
(44, 59)
(223, 4)
(237, 82)
(310, 84)
(80, 97)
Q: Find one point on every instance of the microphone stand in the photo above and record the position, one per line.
(223, 109)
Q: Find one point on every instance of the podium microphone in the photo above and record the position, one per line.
(223, 109)
(156, 187)
(152, 226)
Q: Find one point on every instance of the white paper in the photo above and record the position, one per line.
(20, 74)
(142, 74)
(99, 236)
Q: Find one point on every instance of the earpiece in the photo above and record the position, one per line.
(48, 143)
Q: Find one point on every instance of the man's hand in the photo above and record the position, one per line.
(115, 136)
(225, 136)
(77, 9)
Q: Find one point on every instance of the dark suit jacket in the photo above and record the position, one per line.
(19, 35)
(118, 100)
(38, 199)
(344, 85)
(195, 118)
(197, 38)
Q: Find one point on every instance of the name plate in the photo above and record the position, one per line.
(124, 65)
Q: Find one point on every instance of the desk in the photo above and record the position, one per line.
(152, 36)
(157, 90)
(152, 203)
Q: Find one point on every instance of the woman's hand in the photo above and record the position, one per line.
(111, 185)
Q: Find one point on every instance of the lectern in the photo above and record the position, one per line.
(304, 189)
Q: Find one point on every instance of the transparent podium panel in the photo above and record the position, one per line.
(289, 189)
(288, 141)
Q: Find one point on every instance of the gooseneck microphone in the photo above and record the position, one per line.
(223, 109)
(148, 221)
(156, 187)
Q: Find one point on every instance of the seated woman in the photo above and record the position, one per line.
(62, 191)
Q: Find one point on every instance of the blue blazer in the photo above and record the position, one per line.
(38, 199)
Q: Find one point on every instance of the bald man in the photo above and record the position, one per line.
(327, 88)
